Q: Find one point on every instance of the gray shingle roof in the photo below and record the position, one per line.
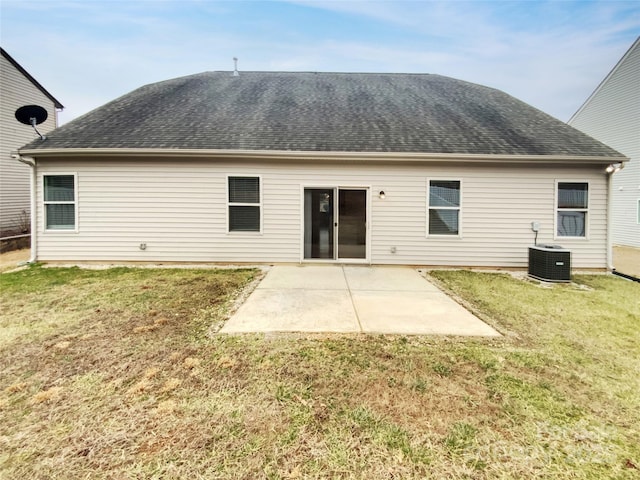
(345, 112)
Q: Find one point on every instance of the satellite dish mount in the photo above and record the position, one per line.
(32, 115)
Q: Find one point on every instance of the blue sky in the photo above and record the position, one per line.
(549, 54)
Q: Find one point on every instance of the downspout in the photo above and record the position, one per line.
(34, 237)
(611, 171)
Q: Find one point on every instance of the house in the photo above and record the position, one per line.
(18, 88)
(293, 167)
(612, 115)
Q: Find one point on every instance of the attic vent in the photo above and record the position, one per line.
(235, 67)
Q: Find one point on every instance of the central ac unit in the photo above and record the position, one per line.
(550, 263)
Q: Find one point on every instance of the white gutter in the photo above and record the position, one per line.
(610, 175)
(34, 237)
(283, 155)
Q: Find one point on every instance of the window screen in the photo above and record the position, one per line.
(59, 202)
(573, 204)
(244, 204)
(244, 190)
(444, 207)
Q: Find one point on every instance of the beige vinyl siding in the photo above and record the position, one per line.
(612, 115)
(179, 210)
(15, 91)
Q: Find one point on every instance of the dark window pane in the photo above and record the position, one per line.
(352, 230)
(58, 188)
(244, 190)
(244, 219)
(443, 222)
(573, 195)
(571, 224)
(444, 193)
(61, 216)
(318, 223)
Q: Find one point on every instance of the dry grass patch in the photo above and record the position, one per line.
(47, 396)
(191, 363)
(16, 387)
(558, 399)
(170, 384)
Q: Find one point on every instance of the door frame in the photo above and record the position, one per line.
(336, 188)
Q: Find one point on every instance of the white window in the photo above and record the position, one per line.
(60, 211)
(244, 204)
(572, 209)
(444, 207)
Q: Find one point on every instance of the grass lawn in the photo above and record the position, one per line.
(112, 374)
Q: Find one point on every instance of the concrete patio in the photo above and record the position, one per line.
(396, 300)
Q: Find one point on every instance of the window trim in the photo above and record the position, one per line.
(587, 211)
(458, 208)
(75, 228)
(243, 204)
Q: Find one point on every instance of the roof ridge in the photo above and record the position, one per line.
(326, 72)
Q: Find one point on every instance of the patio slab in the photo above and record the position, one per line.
(333, 298)
(387, 279)
(294, 310)
(305, 277)
(416, 313)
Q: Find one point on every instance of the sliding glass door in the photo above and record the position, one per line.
(335, 230)
(352, 223)
(319, 225)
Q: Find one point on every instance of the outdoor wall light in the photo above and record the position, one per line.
(614, 168)
(382, 195)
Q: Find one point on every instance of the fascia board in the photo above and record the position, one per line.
(266, 155)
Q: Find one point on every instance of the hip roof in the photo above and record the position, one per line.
(323, 112)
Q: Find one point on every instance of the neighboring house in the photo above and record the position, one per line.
(319, 167)
(18, 88)
(612, 115)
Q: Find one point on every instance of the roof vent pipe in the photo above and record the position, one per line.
(235, 67)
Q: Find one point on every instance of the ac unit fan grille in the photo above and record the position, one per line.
(550, 264)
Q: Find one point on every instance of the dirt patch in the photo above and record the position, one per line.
(9, 260)
(627, 260)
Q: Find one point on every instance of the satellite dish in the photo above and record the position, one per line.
(32, 115)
